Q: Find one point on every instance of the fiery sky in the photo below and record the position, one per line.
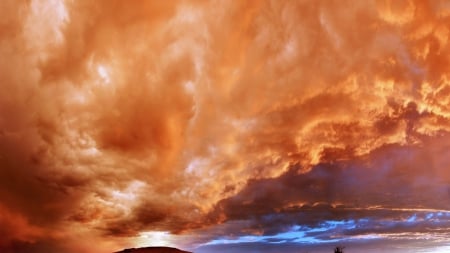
(224, 126)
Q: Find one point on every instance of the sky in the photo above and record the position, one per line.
(225, 126)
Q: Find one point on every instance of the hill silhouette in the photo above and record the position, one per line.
(152, 250)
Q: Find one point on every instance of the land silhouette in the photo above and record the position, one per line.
(175, 250)
(153, 250)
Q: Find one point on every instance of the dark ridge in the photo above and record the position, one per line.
(153, 250)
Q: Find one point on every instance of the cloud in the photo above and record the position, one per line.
(118, 118)
(383, 185)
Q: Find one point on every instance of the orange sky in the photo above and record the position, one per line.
(133, 123)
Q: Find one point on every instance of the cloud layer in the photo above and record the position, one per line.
(208, 119)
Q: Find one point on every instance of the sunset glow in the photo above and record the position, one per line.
(225, 126)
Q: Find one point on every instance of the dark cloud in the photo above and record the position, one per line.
(385, 193)
(392, 177)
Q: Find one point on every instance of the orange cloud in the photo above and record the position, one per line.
(124, 118)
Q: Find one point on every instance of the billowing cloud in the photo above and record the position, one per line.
(196, 120)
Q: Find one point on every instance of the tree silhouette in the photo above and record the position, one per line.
(339, 249)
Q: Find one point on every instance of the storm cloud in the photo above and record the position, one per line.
(191, 122)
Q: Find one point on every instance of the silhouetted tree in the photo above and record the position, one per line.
(339, 249)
